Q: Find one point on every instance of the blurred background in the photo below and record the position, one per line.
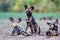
(42, 8)
(40, 5)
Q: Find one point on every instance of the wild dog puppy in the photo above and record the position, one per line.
(31, 21)
(17, 30)
(53, 29)
(29, 24)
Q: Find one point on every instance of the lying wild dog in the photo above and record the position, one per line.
(46, 18)
(53, 29)
(17, 30)
(31, 21)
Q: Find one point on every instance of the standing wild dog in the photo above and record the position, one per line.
(53, 29)
(17, 30)
(31, 21)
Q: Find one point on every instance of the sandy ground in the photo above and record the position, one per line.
(6, 29)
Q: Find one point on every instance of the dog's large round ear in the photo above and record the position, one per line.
(56, 21)
(32, 8)
(26, 6)
(19, 20)
(49, 23)
(11, 19)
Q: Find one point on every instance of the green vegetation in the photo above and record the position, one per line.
(40, 5)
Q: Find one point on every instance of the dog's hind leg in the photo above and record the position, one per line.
(35, 29)
(39, 30)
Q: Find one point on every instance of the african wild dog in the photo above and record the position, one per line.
(17, 30)
(30, 20)
(53, 29)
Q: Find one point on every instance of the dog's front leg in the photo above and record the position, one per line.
(31, 29)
